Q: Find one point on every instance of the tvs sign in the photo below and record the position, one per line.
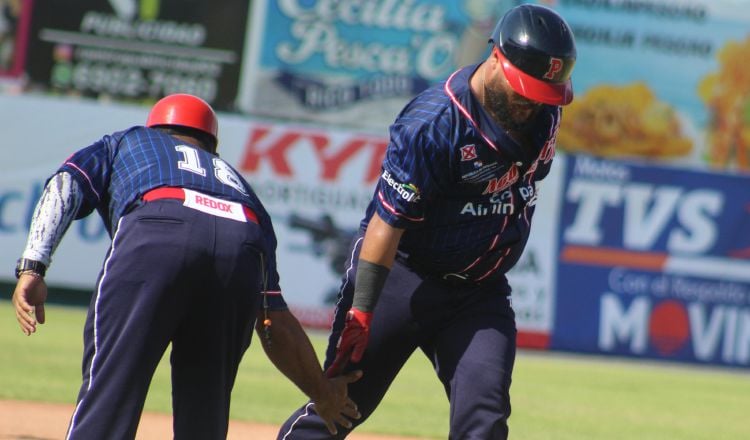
(653, 263)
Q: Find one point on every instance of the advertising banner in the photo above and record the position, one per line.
(38, 134)
(662, 80)
(138, 50)
(315, 184)
(355, 63)
(15, 16)
(532, 279)
(654, 262)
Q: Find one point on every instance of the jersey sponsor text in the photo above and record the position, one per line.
(408, 192)
(482, 209)
(214, 206)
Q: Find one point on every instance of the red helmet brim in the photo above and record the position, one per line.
(533, 88)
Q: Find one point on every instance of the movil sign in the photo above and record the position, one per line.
(674, 303)
(715, 333)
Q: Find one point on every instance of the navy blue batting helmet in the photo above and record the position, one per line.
(537, 51)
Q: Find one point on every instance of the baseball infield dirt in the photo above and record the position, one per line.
(47, 421)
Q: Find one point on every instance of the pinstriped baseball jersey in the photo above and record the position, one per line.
(117, 170)
(462, 188)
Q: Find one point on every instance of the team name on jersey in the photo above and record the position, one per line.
(407, 191)
(501, 183)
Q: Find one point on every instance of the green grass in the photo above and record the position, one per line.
(573, 397)
(554, 396)
(46, 366)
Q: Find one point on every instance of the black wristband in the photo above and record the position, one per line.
(370, 280)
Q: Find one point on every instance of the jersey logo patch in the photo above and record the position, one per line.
(468, 152)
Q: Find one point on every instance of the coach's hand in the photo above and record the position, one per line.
(334, 406)
(28, 300)
(353, 340)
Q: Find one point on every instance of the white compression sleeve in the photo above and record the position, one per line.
(53, 215)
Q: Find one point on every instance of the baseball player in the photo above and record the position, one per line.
(192, 263)
(450, 216)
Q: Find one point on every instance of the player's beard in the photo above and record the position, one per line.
(511, 115)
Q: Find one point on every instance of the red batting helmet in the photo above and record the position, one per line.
(537, 51)
(184, 110)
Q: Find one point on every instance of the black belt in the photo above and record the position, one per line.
(454, 279)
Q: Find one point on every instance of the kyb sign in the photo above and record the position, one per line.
(290, 152)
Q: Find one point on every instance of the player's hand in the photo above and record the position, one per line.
(334, 406)
(28, 300)
(353, 340)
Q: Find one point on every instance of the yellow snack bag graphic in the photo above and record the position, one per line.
(727, 96)
(622, 121)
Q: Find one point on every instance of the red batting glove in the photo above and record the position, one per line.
(352, 342)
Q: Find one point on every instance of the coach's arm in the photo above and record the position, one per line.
(291, 351)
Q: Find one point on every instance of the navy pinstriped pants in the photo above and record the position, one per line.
(468, 333)
(172, 275)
